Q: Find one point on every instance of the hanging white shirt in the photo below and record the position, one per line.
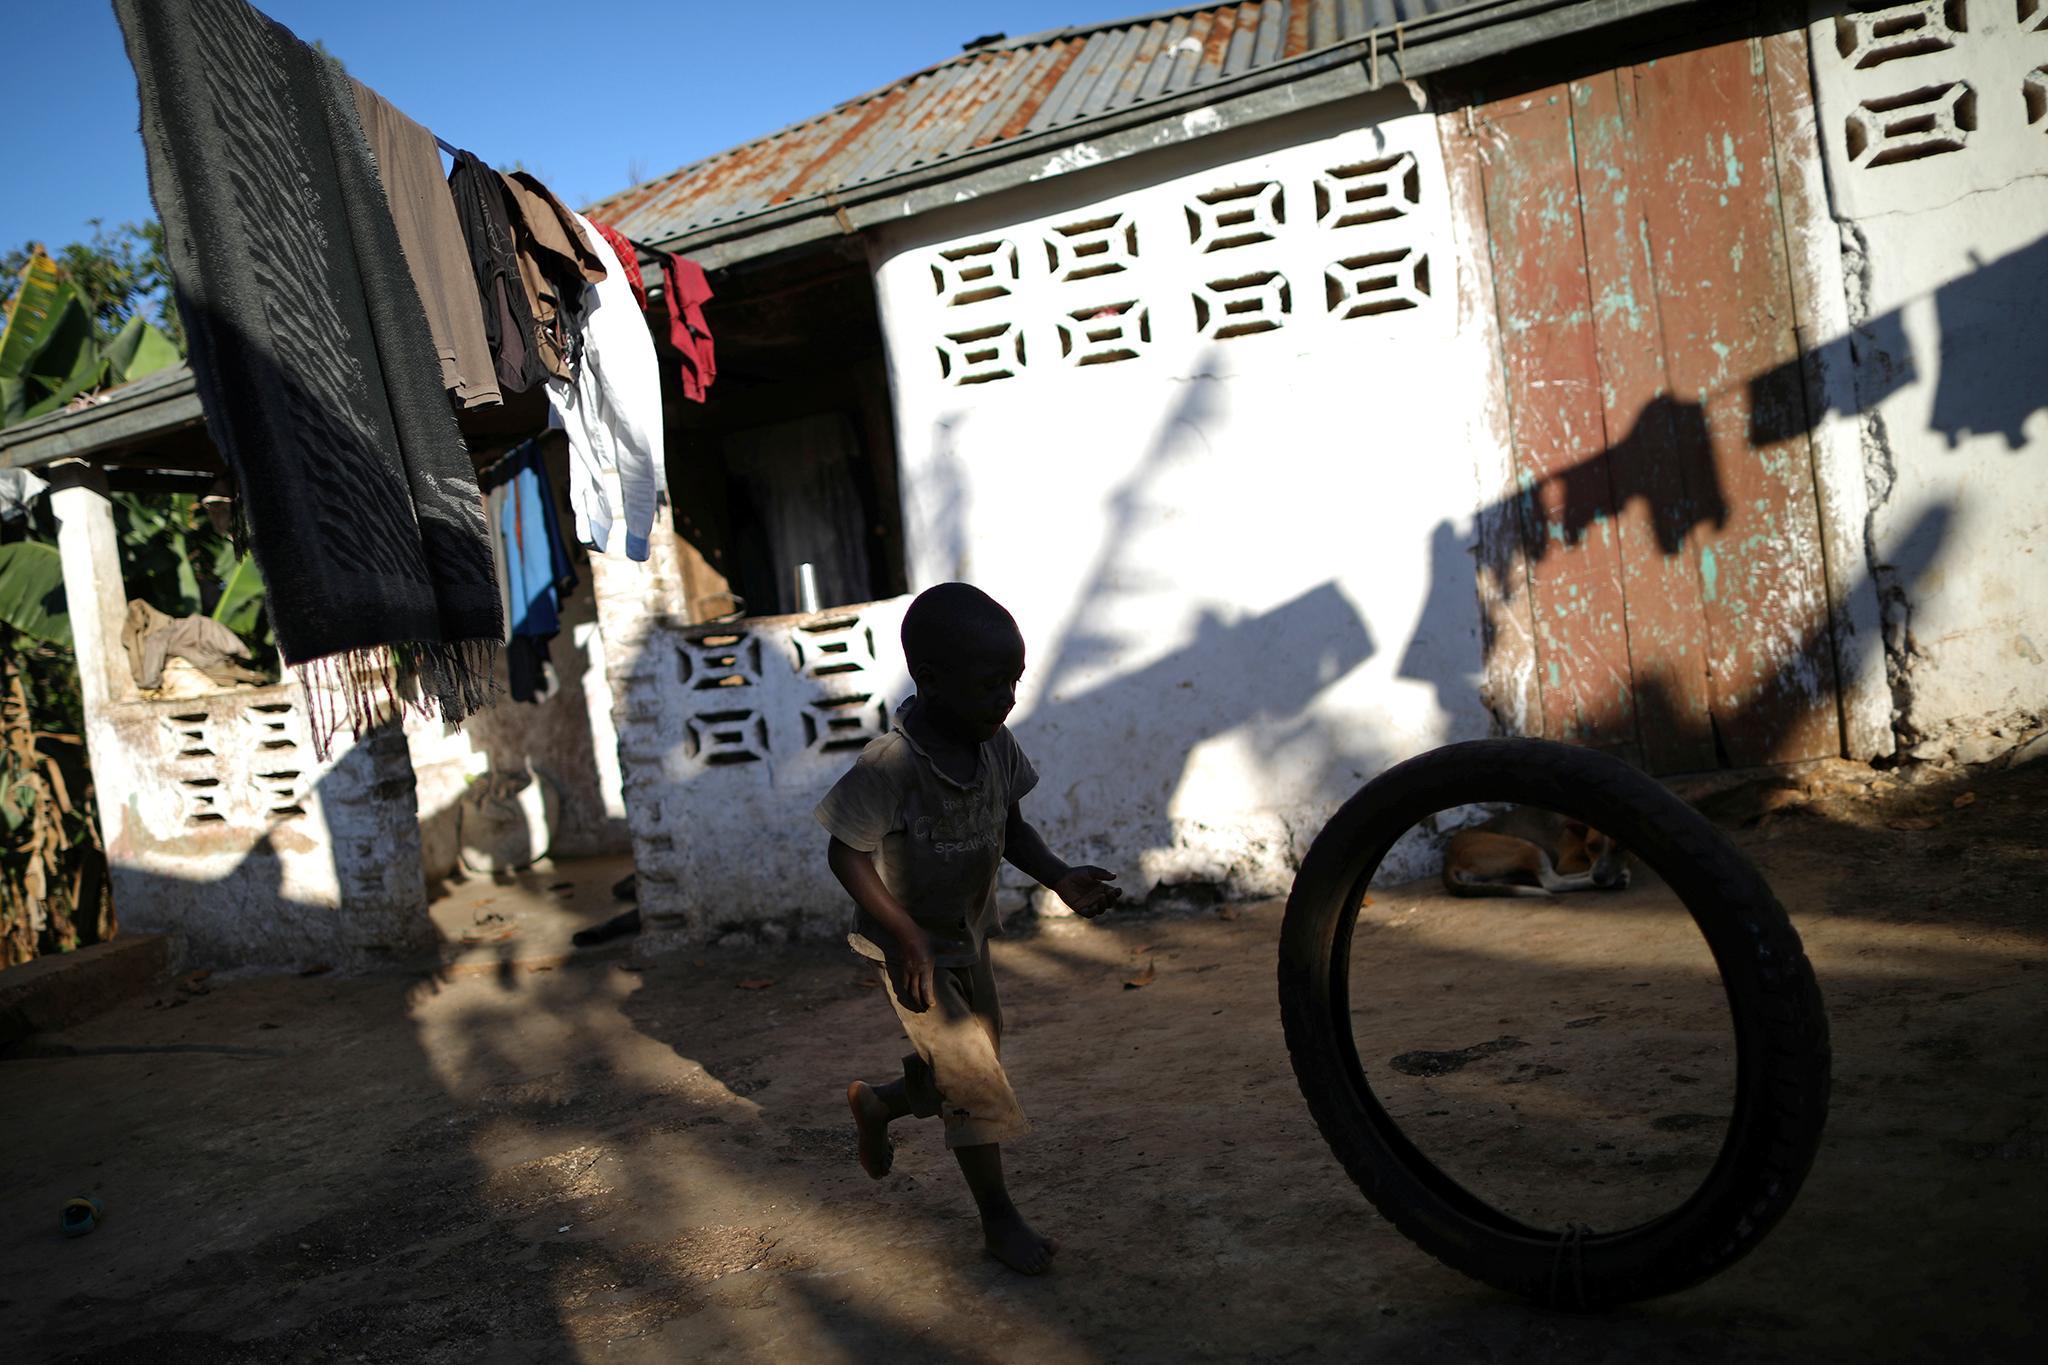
(611, 412)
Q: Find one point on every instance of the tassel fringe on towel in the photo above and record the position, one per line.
(365, 688)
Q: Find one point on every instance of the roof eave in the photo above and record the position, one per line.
(1428, 46)
(124, 422)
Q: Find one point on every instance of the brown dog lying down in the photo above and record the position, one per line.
(1528, 851)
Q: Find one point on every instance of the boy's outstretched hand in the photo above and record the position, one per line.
(1086, 890)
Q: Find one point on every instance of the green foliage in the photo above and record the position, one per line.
(139, 349)
(174, 559)
(75, 323)
(240, 604)
(51, 349)
(32, 592)
(118, 275)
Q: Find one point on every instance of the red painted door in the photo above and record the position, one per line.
(1671, 540)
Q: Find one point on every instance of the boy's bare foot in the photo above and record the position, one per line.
(1010, 1240)
(871, 1123)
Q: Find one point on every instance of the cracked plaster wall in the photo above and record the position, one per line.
(1934, 120)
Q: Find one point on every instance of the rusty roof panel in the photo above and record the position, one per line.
(1006, 90)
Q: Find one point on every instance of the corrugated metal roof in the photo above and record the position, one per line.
(1006, 90)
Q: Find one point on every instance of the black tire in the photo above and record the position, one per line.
(1781, 1033)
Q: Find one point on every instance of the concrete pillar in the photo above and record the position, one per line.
(96, 600)
(93, 590)
(638, 608)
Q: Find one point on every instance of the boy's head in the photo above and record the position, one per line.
(965, 654)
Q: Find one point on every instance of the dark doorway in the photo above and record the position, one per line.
(793, 460)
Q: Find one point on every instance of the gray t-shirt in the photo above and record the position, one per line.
(937, 843)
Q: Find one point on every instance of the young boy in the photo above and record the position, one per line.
(919, 826)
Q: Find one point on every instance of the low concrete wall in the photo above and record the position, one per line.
(62, 989)
(222, 825)
(729, 735)
(734, 734)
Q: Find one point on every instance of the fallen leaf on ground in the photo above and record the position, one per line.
(1366, 901)
(756, 983)
(1967, 798)
(1913, 822)
(1143, 978)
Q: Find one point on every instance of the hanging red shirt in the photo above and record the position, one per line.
(688, 332)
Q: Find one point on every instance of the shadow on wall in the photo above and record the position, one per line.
(1440, 652)
(940, 502)
(271, 907)
(1122, 749)
(556, 738)
(1667, 466)
(1996, 310)
(1258, 675)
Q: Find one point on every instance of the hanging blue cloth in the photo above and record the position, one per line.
(536, 563)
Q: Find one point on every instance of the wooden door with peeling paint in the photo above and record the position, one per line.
(1669, 541)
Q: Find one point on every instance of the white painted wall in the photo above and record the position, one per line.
(220, 823)
(1240, 561)
(729, 735)
(1936, 141)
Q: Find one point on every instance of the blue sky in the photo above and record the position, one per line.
(589, 96)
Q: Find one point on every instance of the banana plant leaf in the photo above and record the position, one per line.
(68, 363)
(32, 591)
(42, 294)
(137, 350)
(240, 607)
(47, 351)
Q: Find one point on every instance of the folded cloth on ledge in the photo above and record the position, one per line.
(315, 366)
(153, 638)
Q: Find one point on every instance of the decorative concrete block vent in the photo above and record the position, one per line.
(731, 733)
(223, 826)
(1926, 101)
(1321, 246)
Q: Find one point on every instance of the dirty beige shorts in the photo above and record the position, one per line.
(957, 1071)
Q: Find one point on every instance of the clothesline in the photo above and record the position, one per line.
(647, 252)
(402, 283)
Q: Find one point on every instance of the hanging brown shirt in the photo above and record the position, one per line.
(483, 208)
(409, 165)
(555, 263)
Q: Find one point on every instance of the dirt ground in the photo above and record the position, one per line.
(610, 1159)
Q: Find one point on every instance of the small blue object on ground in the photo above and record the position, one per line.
(81, 1215)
